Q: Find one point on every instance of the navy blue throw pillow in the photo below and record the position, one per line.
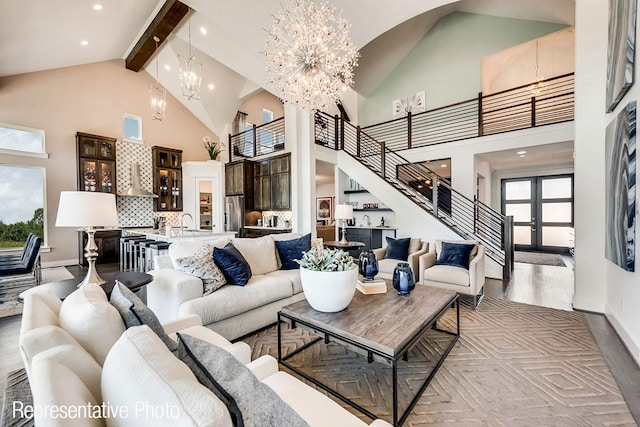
(232, 264)
(397, 248)
(455, 254)
(290, 250)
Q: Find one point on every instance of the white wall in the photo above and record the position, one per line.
(446, 62)
(600, 285)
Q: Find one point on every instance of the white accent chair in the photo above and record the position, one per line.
(386, 265)
(467, 282)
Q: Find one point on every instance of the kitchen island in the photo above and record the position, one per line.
(261, 230)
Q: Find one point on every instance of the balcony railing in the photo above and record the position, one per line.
(264, 139)
(539, 103)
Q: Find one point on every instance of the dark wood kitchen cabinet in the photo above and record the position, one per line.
(108, 243)
(238, 177)
(96, 163)
(272, 184)
(262, 186)
(167, 178)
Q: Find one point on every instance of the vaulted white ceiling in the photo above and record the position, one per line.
(38, 35)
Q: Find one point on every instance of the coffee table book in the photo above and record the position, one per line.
(369, 287)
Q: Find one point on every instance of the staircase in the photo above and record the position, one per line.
(470, 219)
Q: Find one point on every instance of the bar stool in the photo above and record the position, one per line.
(137, 253)
(125, 252)
(154, 250)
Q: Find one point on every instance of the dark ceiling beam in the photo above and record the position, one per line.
(162, 25)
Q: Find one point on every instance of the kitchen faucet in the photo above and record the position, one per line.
(365, 219)
(182, 227)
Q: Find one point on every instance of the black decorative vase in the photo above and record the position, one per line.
(403, 280)
(368, 264)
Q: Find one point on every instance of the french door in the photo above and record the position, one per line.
(542, 210)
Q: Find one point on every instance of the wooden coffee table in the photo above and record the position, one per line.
(383, 327)
(63, 288)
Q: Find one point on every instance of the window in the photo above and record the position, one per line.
(22, 207)
(132, 128)
(21, 141)
(267, 116)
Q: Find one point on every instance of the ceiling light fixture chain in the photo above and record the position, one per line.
(309, 54)
(538, 86)
(190, 72)
(157, 92)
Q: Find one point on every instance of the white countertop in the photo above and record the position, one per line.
(178, 234)
(262, 227)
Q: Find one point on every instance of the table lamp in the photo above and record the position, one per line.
(344, 212)
(86, 210)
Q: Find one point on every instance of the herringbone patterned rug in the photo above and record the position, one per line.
(514, 365)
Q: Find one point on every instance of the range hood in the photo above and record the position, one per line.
(136, 189)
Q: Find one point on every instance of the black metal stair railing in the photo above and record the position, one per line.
(264, 139)
(535, 104)
(425, 188)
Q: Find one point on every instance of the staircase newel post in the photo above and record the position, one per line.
(230, 150)
(336, 139)
(255, 141)
(533, 111)
(480, 115)
(434, 193)
(383, 158)
(358, 132)
(475, 213)
(509, 247)
(409, 131)
(342, 134)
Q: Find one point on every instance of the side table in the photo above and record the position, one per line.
(133, 280)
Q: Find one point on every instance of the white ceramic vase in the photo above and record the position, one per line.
(329, 291)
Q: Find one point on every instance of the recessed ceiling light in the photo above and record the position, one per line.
(97, 6)
(444, 165)
(211, 86)
(167, 67)
(84, 42)
(203, 30)
(521, 155)
(521, 152)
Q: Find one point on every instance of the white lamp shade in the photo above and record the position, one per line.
(344, 212)
(86, 209)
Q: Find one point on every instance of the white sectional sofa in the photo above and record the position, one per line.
(86, 369)
(231, 311)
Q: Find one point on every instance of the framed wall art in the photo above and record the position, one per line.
(620, 50)
(620, 187)
(324, 206)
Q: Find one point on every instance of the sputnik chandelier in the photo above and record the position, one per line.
(309, 54)
(158, 92)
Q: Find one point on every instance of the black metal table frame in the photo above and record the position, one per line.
(402, 354)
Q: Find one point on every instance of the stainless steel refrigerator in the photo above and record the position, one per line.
(234, 214)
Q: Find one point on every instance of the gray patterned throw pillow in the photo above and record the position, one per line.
(251, 403)
(201, 265)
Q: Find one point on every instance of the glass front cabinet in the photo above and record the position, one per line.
(96, 163)
(167, 178)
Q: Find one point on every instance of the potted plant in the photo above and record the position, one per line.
(328, 279)
(213, 148)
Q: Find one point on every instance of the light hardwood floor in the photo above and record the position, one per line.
(532, 284)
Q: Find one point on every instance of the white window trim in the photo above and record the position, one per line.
(42, 155)
(139, 120)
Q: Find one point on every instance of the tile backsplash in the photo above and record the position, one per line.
(134, 211)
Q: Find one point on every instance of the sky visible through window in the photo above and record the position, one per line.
(21, 140)
(21, 193)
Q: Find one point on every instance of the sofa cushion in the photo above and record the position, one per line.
(185, 248)
(292, 276)
(201, 265)
(134, 312)
(42, 308)
(141, 372)
(260, 253)
(250, 402)
(397, 248)
(455, 254)
(78, 361)
(54, 385)
(414, 245)
(291, 250)
(235, 268)
(233, 300)
(89, 318)
(387, 265)
(473, 253)
(239, 350)
(447, 274)
(323, 411)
